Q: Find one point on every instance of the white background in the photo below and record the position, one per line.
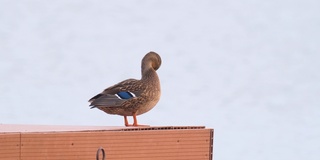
(249, 69)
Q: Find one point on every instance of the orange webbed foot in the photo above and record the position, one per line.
(135, 122)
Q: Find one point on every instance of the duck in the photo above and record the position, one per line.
(132, 97)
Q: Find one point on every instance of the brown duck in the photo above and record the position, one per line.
(132, 97)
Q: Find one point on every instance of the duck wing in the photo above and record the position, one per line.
(116, 95)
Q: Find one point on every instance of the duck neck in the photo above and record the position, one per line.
(149, 73)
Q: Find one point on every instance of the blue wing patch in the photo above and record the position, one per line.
(125, 95)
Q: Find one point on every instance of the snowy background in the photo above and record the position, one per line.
(249, 69)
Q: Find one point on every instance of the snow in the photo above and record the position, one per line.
(248, 69)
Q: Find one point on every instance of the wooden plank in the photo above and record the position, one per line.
(137, 144)
(9, 146)
(81, 142)
(211, 144)
(18, 128)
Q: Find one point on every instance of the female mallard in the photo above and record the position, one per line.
(132, 97)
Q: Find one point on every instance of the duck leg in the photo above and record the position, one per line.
(135, 121)
(126, 123)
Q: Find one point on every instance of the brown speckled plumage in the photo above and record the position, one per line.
(145, 92)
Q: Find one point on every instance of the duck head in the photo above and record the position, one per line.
(150, 61)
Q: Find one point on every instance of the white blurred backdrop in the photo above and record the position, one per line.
(249, 69)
